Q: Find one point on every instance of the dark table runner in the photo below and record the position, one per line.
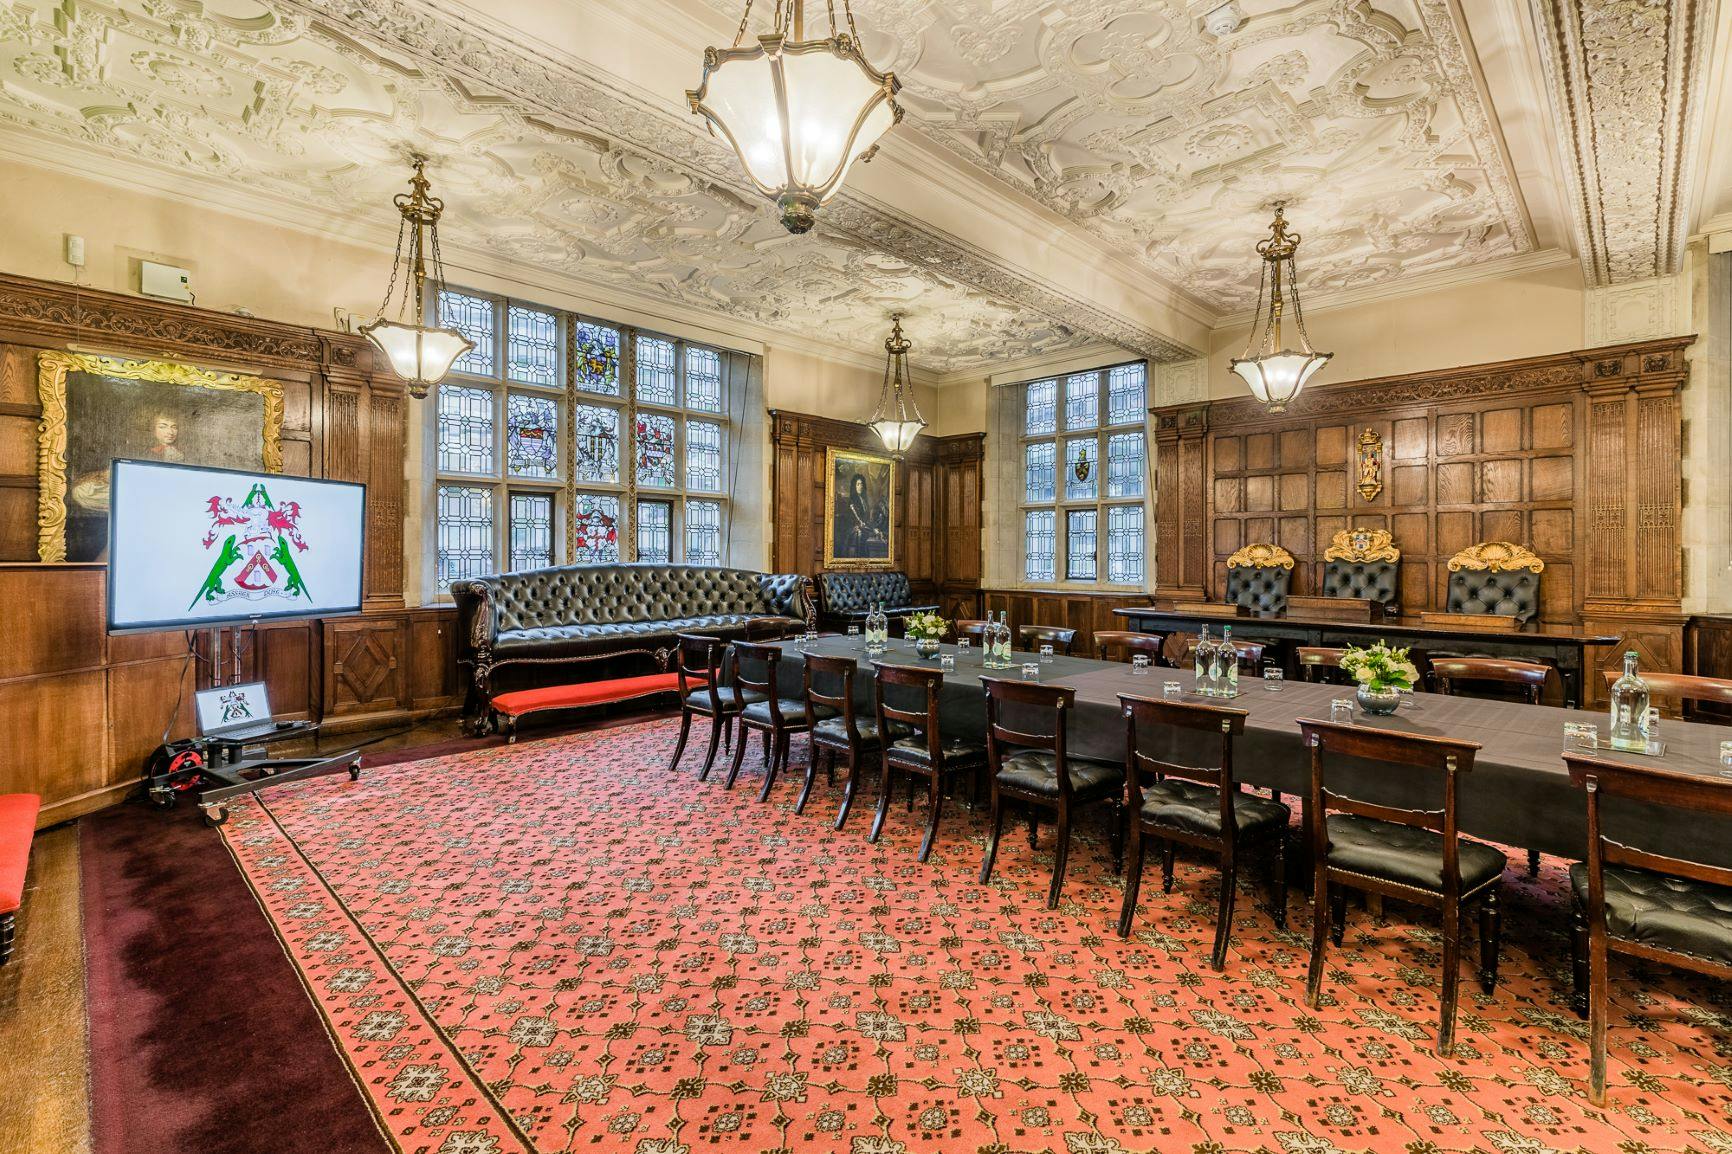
(1519, 792)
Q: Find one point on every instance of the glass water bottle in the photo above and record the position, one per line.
(1630, 709)
(1200, 657)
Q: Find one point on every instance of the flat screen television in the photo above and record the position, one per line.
(191, 548)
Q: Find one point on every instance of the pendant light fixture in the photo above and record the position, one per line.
(897, 420)
(1275, 372)
(798, 112)
(419, 353)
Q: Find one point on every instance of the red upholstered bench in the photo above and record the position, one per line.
(17, 826)
(511, 706)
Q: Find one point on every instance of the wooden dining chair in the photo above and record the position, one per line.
(969, 627)
(1412, 855)
(776, 716)
(698, 661)
(925, 752)
(1031, 637)
(1195, 805)
(1320, 663)
(1640, 903)
(1110, 643)
(842, 736)
(1683, 687)
(1523, 680)
(1035, 769)
(1250, 655)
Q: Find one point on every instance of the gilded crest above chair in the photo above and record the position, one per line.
(1258, 577)
(1362, 563)
(1498, 577)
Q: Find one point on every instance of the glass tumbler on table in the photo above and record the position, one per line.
(1581, 737)
(963, 646)
(1341, 711)
(1031, 671)
(1140, 665)
(1726, 759)
(1273, 678)
(1172, 689)
(947, 662)
(1046, 655)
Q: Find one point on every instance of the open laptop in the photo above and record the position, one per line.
(235, 712)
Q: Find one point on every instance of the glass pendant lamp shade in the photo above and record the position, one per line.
(420, 353)
(798, 112)
(421, 356)
(1275, 373)
(897, 420)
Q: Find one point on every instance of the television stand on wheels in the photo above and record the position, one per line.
(238, 778)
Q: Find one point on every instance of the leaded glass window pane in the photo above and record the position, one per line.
(703, 380)
(1038, 545)
(465, 429)
(1125, 465)
(474, 317)
(1079, 545)
(704, 456)
(1040, 470)
(597, 349)
(595, 519)
(655, 451)
(1040, 414)
(655, 532)
(703, 533)
(595, 436)
(657, 380)
(1126, 393)
(1082, 400)
(531, 530)
(532, 346)
(1081, 469)
(531, 435)
(465, 545)
(1125, 544)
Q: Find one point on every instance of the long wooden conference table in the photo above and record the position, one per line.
(1519, 793)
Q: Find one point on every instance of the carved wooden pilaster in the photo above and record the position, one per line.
(1181, 500)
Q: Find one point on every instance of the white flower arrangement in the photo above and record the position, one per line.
(1380, 667)
(925, 626)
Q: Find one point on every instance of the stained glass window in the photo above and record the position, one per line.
(1082, 400)
(1040, 470)
(1079, 544)
(1126, 393)
(704, 456)
(1041, 414)
(595, 442)
(1082, 468)
(597, 368)
(531, 530)
(531, 435)
(1039, 548)
(657, 380)
(595, 519)
(1125, 465)
(532, 346)
(703, 380)
(1125, 544)
(465, 544)
(704, 532)
(465, 433)
(655, 532)
(655, 451)
(474, 317)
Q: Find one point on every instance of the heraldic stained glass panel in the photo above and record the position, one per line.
(704, 456)
(703, 532)
(596, 520)
(532, 346)
(1081, 468)
(465, 546)
(474, 317)
(465, 430)
(657, 378)
(703, 380)
(531, 530)
(597, 367)
(655, 451)
(531, 435)
(1040, 549)
(655, 532)
(1041, 414)
(595, 434)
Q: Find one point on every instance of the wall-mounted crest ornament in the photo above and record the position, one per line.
(1362, 545)
(1370, 464)
(1497, 556)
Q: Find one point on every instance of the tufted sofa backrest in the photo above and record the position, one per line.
(1260, 588)
(855, 592)
(1372, 580)
(594, 594)
(1507, 593)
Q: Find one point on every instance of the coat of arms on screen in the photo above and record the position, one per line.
(235, 706)
(255, 561)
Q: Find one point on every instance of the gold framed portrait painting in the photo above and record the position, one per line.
(96, 410)
(859, 510)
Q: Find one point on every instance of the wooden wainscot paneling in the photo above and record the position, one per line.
(1087, 613)
(1708, 653)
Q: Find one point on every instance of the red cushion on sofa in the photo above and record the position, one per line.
(522, 701)
(17, 826)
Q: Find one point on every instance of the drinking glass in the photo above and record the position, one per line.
(1140, 665)
(1031, 671)
(962, 646)
(809, 639)
(1726, 759)
(947, 662)
(1581, 736)
(1046, 655)
(1651, 724)
(1273, 678)
(1172, 689)
(853, 634)
(1341, 711)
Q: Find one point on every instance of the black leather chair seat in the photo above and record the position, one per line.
(791, 709)
(700, 699)
(612, 636)
(1035, 771)
(1405, 855)
(1195, 808)
(834, 730)
(956, 750)
(1668, 912)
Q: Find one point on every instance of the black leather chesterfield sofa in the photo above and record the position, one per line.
(572, 623)
(845, 599)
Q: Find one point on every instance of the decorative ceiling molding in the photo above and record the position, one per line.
(1626, 81)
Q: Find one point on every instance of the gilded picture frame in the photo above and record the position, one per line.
(53, 370)
(859, 510)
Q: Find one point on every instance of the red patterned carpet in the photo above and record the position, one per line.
(561, 946)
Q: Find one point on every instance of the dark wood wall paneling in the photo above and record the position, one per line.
(1577, 455)
(938, 492)
(83, 709)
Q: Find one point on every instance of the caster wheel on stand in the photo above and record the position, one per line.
(354, 771)
(164, 798)
(215, 815)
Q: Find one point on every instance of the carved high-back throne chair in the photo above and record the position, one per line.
(1258, 577)
(1363, 563)
(1496, 577)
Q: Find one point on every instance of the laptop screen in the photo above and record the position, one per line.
(227, 706)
